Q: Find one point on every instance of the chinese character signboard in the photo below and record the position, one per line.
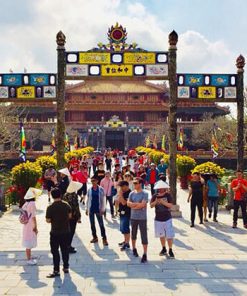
(27, 86)
(217, 87)
(116, 59)
(122, 64)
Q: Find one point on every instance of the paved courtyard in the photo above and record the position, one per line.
(210, 260)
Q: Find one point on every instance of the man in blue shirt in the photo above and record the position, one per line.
(162, 167)
(96, 207)
(213, 187)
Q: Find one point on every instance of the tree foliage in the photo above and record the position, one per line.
(9, 117)
(225, 129)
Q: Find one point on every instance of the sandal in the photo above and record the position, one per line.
(53, 275)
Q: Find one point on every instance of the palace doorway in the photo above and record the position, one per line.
(114, 140)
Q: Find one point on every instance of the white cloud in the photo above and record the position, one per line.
(31, 44)
(137, 9)
(197, 54)
(85, 23)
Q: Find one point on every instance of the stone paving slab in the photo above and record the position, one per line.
(211, 259)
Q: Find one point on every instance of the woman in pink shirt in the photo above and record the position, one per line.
(107, 185)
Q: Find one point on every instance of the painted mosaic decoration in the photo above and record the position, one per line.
(27, 86)
(117, 59)
(207, 86)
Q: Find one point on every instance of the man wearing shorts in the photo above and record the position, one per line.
(162, 202)
(138, 200)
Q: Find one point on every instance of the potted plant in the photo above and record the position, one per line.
(185, 165)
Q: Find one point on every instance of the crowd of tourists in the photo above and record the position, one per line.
(122, 182)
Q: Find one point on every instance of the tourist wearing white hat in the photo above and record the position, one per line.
(71, 198)
(63, 182)
(28, 219)
(162, 202)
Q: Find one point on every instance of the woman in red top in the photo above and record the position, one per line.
(73, 173)
(82, 177)
(239, 187)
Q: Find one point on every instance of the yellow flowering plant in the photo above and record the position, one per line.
(209, 168)
(78, 153)
(26, 174)
(154, 154)
(46, 161)
(185, 164)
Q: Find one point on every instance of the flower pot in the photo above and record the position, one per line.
(184, 182)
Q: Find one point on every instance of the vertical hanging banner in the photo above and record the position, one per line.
(23, 144)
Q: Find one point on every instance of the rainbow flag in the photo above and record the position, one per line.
(53, 142)
(85, 141)
(23, 144)
(66, 142)
(155, 142)
(181, 139)
(76, 142)
(147, 141)
(214, 146)
(163, 143)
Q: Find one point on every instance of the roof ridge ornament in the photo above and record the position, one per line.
(117, 36)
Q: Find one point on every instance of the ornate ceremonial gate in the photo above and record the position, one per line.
(119, 59)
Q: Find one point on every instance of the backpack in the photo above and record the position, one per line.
(24, 217)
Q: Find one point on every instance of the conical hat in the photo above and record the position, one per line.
(65, 171)
(161, 185)
(32, 193)
(74, 187)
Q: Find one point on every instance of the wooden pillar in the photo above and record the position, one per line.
(61, 39)
(240, 62)
(172, 72)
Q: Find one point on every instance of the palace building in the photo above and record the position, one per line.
(119, 108)
(117, 114)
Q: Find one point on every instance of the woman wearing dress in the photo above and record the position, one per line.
(30, 230)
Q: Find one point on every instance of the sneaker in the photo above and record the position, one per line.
(53, 275)
(135, 253)
(65, 270)
(105, 242)
(72, 250)
(192, 225)
(124, 247)
(210, 215)
(201, 222)
(234, 225)
(121, 244)
(215, 220)
(31, 262)
(94, 240)
(171, 254)
(144, 258)
(163, 252)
